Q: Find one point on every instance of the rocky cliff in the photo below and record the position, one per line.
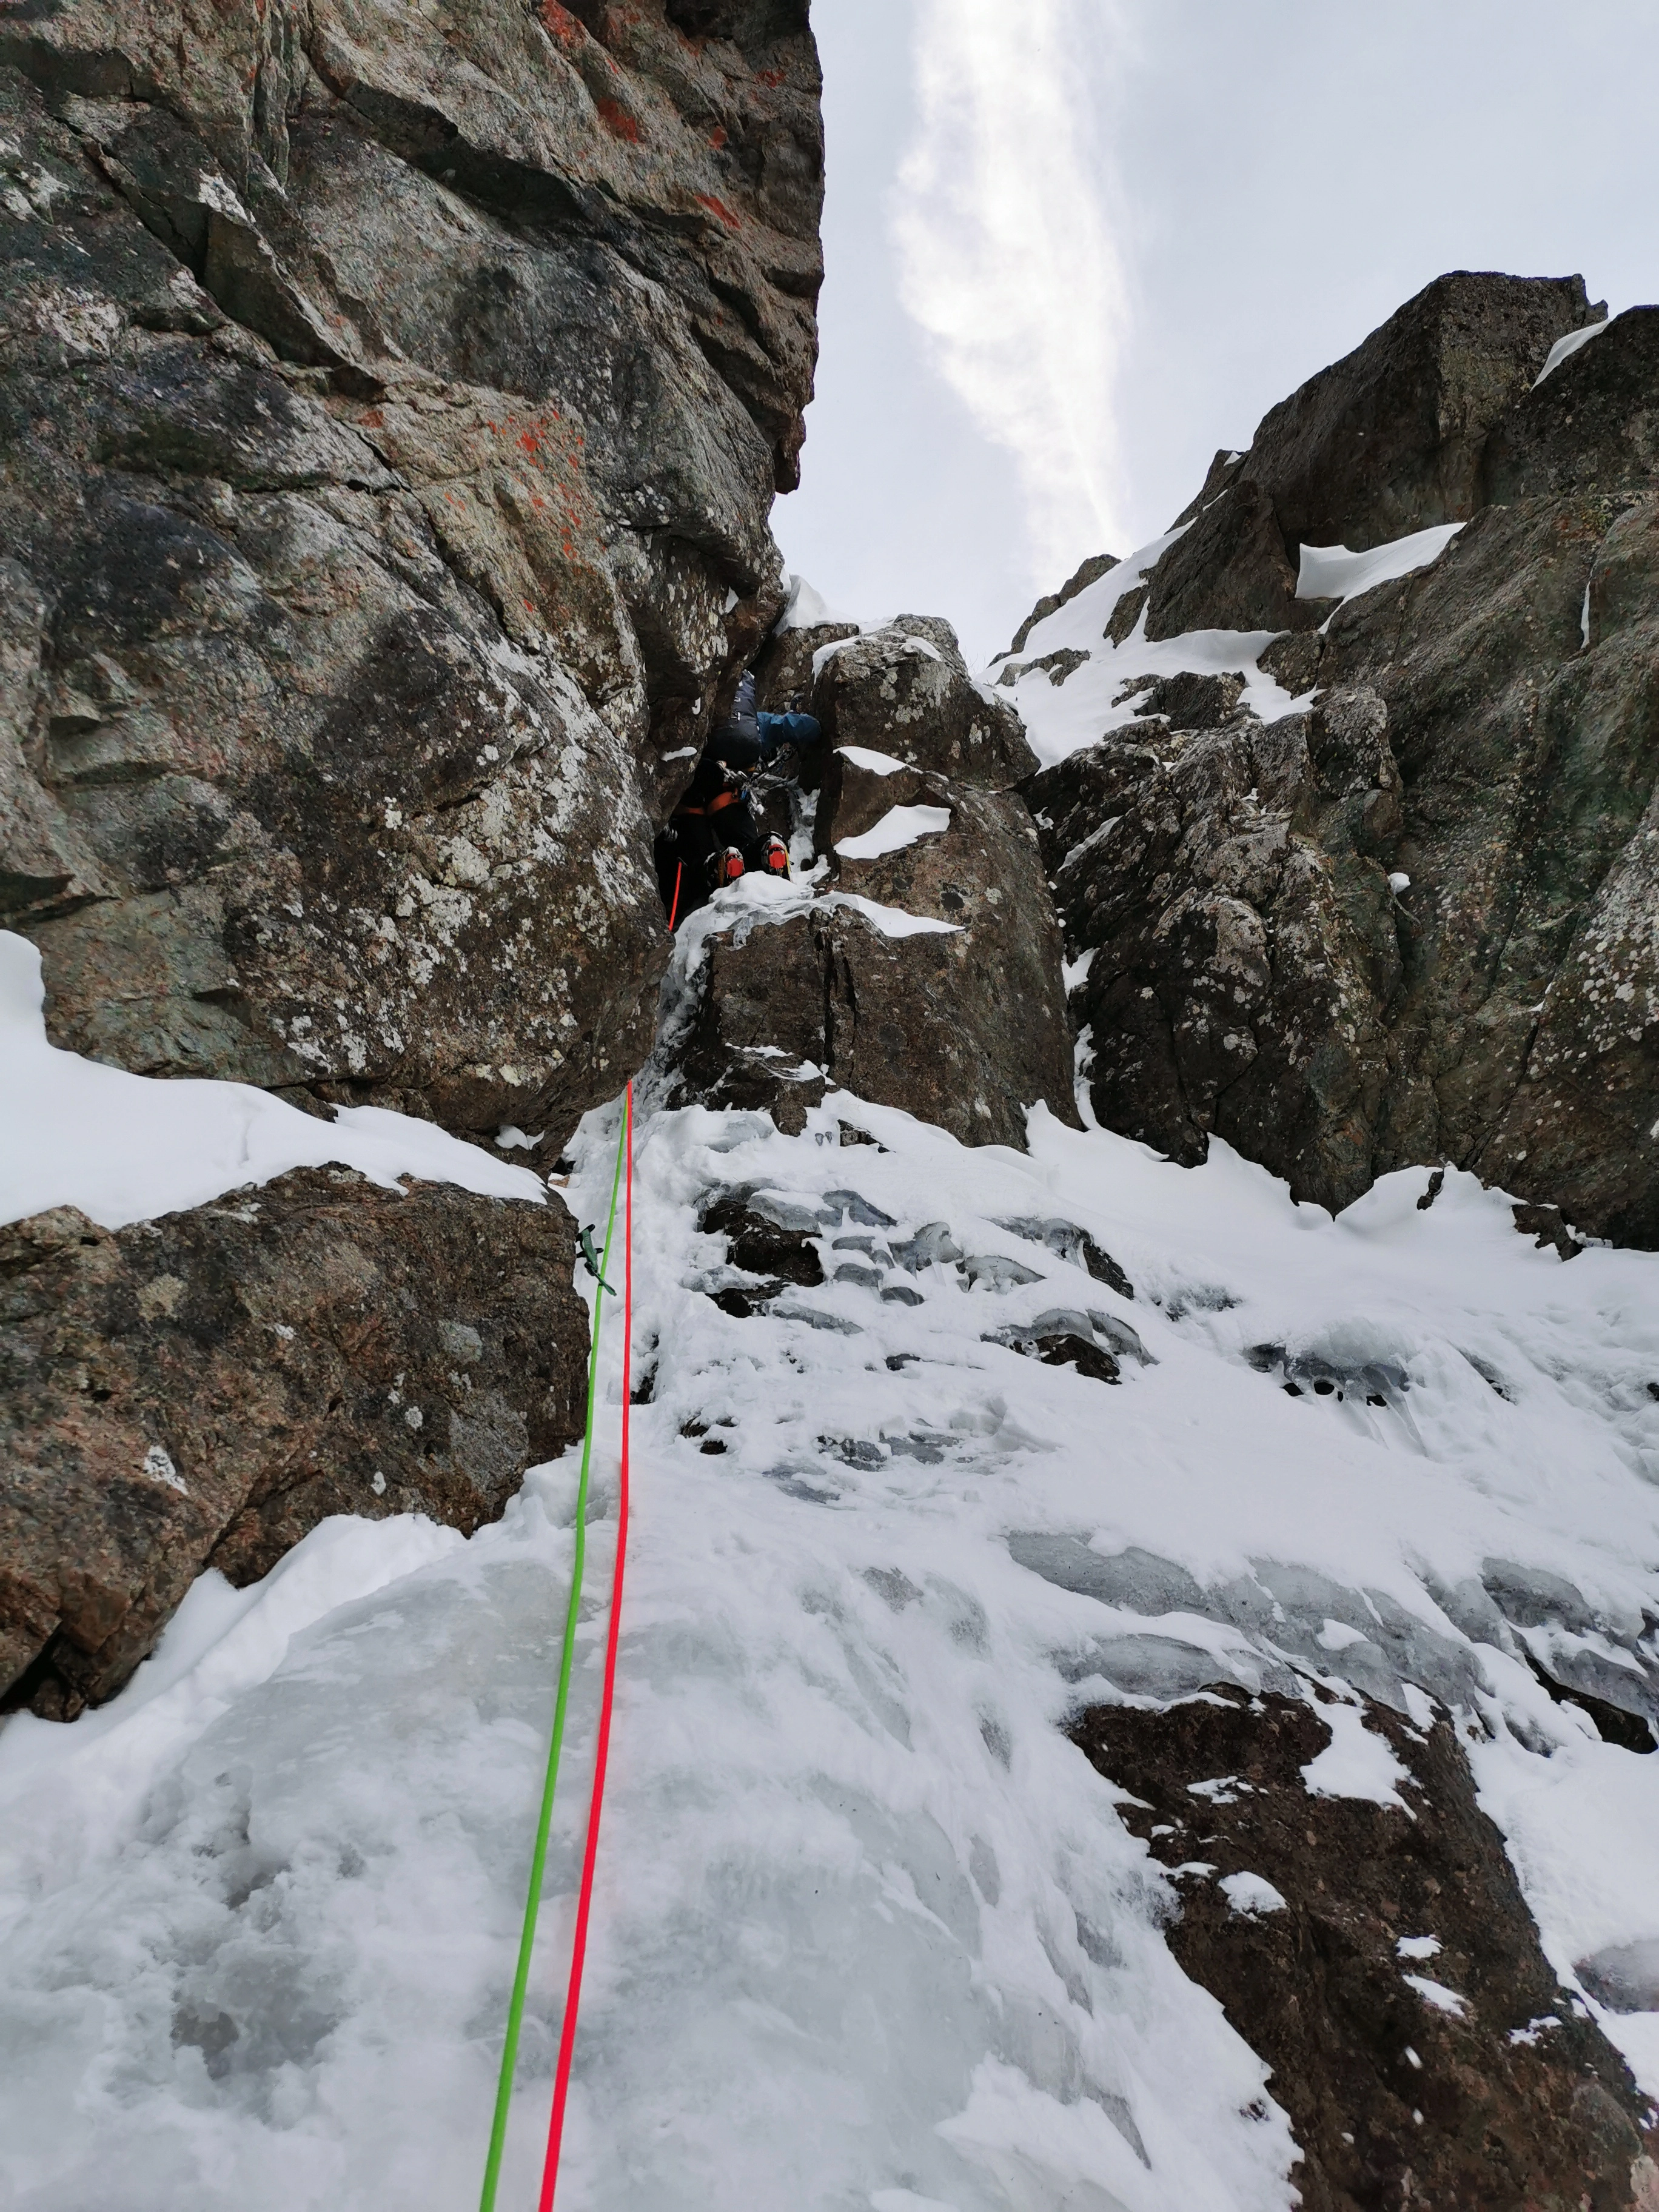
(1396, 902)
(392, 402)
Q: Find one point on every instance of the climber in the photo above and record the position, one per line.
(715, 835)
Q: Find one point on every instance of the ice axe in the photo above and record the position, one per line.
(591, 1258)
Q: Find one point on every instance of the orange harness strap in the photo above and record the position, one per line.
(721, 799)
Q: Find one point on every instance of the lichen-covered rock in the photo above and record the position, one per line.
(904, 691)
(394, 405)
(202, 1390)
(783, 674)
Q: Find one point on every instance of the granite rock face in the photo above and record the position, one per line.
(203, 1389)
(392, 403)
(1413, 920)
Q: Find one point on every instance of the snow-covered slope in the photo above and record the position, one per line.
(1073, 683)
(869, 1931)
(1063, 708)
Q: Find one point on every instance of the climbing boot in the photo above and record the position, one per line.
(775, 860)
(730, 866)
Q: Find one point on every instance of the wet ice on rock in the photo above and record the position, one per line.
(869, 1928)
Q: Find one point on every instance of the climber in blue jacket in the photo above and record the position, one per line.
(716, 834)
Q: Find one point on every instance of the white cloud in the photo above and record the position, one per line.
(1008, 259)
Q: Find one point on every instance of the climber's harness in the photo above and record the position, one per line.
(721, 799)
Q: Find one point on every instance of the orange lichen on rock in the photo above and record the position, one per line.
(618, 120)
(562, 25)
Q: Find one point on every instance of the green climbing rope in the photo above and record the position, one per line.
(538, 1859)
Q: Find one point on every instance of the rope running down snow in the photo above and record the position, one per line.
(539, 1857)
(579, 1945)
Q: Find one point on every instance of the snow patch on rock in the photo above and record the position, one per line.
(124, 1148)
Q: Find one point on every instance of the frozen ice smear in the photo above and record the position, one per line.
(868, 1928)
(125, 1148)
(899, 827)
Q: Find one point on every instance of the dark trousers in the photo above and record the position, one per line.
(686, 851)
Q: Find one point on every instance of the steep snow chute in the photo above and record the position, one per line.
(562, 1704)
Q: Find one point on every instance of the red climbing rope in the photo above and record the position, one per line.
(573, 1995)
(673, 911)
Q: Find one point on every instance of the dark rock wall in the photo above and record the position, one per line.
(1505, 2095)
(1390, 440)
(392, 402)
(1485, 727)
(391, 406)
(1238, 958)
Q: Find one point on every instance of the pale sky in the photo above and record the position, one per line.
(1074, 246)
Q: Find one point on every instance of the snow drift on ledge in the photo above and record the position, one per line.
(124, 1148)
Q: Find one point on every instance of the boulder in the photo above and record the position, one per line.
(826, 998)
(1379, 1957)
(1188, 700)
(962, 1020)
(858, 788)
(904, 691)
(202, 1390)
(397, 409)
